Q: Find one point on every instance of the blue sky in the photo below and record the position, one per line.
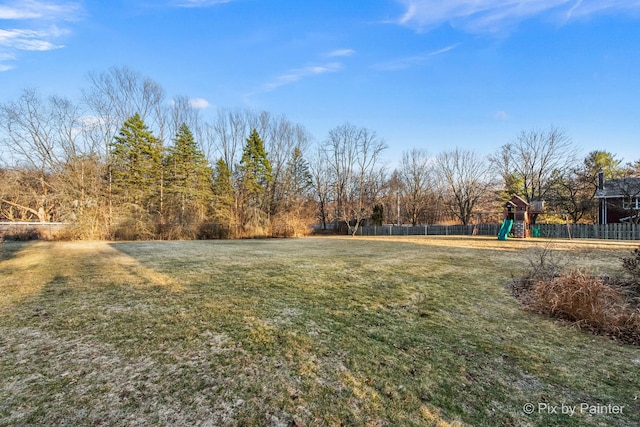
(421, 73)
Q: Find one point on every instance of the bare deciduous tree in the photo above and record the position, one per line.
(321, 184)
(226, 136)
(354, 157)
(466, 176)
(182, 112)
(115, 95)
(57, 174)
(33, 131)
(285, 144)
(416, 174)
(532, 159)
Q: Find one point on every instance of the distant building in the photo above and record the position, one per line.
(618, 200)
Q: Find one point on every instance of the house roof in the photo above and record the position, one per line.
(615, 188)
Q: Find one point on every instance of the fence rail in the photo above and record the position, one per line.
(558, 231)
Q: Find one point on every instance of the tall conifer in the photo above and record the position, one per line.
(255, 169)
(223, 195)
(136, 164)
(187, 178)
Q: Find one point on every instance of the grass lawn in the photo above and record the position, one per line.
(300, 332)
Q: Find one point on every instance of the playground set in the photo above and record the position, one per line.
(517, 218)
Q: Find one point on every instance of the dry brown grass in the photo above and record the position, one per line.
(590, 302)
(307, 332)
(603, 300)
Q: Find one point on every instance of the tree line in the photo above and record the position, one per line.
(125, 162)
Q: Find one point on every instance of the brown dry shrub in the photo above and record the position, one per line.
(290, 227)
(213, 230)
(631, 265)
(589, 301)
(22, 236)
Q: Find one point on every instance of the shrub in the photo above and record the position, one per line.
(134, 229)
(630, 282)
(602, 304)
(590, 302)
(210, 230)
(22, 236)
(631, 265)
(544, 264)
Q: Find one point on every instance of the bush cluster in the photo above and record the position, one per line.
(21, 236)
(606, 305)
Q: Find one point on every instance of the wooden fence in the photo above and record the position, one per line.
(558, 231)
(31, 230)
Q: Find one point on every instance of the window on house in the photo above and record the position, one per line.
(631, 203)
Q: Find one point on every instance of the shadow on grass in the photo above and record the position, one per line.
(10, 250)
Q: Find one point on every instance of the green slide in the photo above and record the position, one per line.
(505, 229)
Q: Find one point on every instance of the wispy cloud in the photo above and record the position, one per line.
(341, 52)
(41, 10)
(198, 3)
(199, 103)
(479, 16)
(501, 115)
(410, 61)
(29, 39)
(38, 24)
(298, 74)
(6, 57)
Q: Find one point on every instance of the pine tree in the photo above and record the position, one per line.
(135, 173)
(299, 175)
(136, 164)
(255, 169)
(188, 179)
(255, 176)
(223, 195)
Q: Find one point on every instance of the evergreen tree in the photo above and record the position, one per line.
(290, 210)
(299, 175)
(255, 169)
(377, 215)
(136, 165)
(135, 180)
(596, 160)
(188, 179)
(223, 195)
(255, 176)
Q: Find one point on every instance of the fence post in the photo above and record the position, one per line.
(622, 231)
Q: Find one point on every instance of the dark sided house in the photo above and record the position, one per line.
(618, 200)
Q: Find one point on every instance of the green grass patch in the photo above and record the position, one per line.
(314, 331)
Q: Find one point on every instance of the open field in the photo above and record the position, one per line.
(314, 331)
